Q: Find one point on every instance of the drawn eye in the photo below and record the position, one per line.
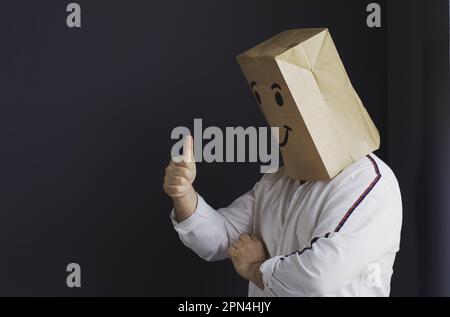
(258, 97)
(279, 99)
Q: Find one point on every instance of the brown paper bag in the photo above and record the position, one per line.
(302, 87)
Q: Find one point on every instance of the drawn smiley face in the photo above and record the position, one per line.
(279, 101)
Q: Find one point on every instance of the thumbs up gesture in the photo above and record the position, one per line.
(178, 179)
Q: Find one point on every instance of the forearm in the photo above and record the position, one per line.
(185, 206)
(210, 232)
(204, 230)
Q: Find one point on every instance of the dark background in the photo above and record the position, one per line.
(86, 116)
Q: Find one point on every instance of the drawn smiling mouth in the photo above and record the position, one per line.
(286, 135)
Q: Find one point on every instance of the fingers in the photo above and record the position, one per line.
(178, 162)
(231, 251)
(176, 180)
(188, 158)
(188, 149)
(175, 191)
(245, 238)
(179, 171)
(254, 238)
(246, 245)
(249, 238)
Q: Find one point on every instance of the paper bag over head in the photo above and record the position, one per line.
(302, 87)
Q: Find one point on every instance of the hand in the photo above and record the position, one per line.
(247, 255)
(178, 179)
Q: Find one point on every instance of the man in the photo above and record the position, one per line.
(329, 222)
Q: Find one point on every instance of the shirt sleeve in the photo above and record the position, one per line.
(209, 232)
(361, 220)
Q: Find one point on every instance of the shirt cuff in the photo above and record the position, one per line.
(199, 217)
(267, 269)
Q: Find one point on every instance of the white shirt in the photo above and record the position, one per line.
(324, 238)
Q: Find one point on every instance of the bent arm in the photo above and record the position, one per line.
(343, 244)
(209, 232)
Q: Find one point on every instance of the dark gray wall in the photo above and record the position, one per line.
(434, 198)
(405, 129)
(418, 141)
(85, 126)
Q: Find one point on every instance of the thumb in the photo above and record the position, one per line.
(188, 149)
